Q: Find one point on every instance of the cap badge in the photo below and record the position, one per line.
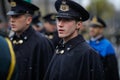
(13, 4)
(64, 6)
(94, 19)
(62, 51)
(53, 17)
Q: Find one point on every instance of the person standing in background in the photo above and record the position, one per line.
(36, 23)
(50, 29)
(104, 48)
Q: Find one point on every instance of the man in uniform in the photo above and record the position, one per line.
(74, 59)
(50, 29)
(104, 48)
(8, 69)
(33, 51)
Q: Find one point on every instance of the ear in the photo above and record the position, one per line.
(29, 20)
(79, 25)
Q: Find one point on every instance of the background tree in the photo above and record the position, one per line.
(101, 8)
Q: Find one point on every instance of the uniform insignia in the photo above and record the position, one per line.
(53, 17)
(25, 37)
(14, 41)
(17, 42)
(50, 36)
(20, 41)
(68, 49)
(64, 6)
(13, 4)
(94, 19)
(62, 51)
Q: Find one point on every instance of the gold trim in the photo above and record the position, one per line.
(94, 19)
(13, 60)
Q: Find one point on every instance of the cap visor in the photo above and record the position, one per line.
(96, 25)
(10, 13)
(64, 16)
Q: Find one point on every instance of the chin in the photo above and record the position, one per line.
(61, 36)
(92, 35)
(15, 30)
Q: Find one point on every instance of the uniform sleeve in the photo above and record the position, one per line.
(111, 68)
(110, 50)
(110, 64)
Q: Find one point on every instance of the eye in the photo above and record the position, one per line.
(15, 16)
(68, 19)
(59, 19)
(65, 19)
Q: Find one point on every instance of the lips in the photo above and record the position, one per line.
(13, 26)
(60, 31)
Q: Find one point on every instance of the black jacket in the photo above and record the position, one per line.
(33, 53)
(108, 57)
(75, 60)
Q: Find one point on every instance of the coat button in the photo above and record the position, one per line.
(62, 51)
(30, 67)
(68, 49)
(25, 38)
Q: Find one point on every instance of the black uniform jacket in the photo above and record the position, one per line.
(75, 60)
(33, 53)
(108, 57)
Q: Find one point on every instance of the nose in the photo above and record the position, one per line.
(60, 23)
(11, 20)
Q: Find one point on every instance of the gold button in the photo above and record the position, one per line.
(20, 41)
(62, 51)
